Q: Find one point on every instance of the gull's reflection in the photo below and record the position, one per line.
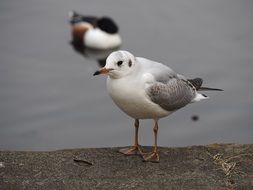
(98, 55)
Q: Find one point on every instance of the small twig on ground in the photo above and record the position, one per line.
(82, 161)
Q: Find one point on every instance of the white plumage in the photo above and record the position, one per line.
(98, 39)
(146, 89)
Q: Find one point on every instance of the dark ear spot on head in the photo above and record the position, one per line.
(130, 63)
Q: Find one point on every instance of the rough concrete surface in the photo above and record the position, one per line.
(217, 166)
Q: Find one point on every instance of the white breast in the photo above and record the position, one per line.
(133, 100)
(97, 39)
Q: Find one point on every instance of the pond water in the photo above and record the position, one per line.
(50, 100)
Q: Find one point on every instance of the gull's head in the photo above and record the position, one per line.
(118, 64)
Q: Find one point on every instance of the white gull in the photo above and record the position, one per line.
(146, 89)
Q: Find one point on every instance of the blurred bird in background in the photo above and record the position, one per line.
(93, 32)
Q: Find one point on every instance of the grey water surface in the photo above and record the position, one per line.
(50, 100)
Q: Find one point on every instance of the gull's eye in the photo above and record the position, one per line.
(119, 63)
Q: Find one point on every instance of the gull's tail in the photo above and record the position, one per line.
(197, 83)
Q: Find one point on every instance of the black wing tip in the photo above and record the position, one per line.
(207, 88)
(196, 82)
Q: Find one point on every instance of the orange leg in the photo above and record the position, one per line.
(153, 156)
(136, 148)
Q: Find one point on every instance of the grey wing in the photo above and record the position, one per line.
(174, 94)
(161, 73)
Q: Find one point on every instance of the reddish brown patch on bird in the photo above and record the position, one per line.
(78, 32)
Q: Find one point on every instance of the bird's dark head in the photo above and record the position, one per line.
(108, 25)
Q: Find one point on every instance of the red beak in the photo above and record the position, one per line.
(103, 70)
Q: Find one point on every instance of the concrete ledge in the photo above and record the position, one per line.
(217, 166)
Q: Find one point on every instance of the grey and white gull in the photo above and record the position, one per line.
(145, 89)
